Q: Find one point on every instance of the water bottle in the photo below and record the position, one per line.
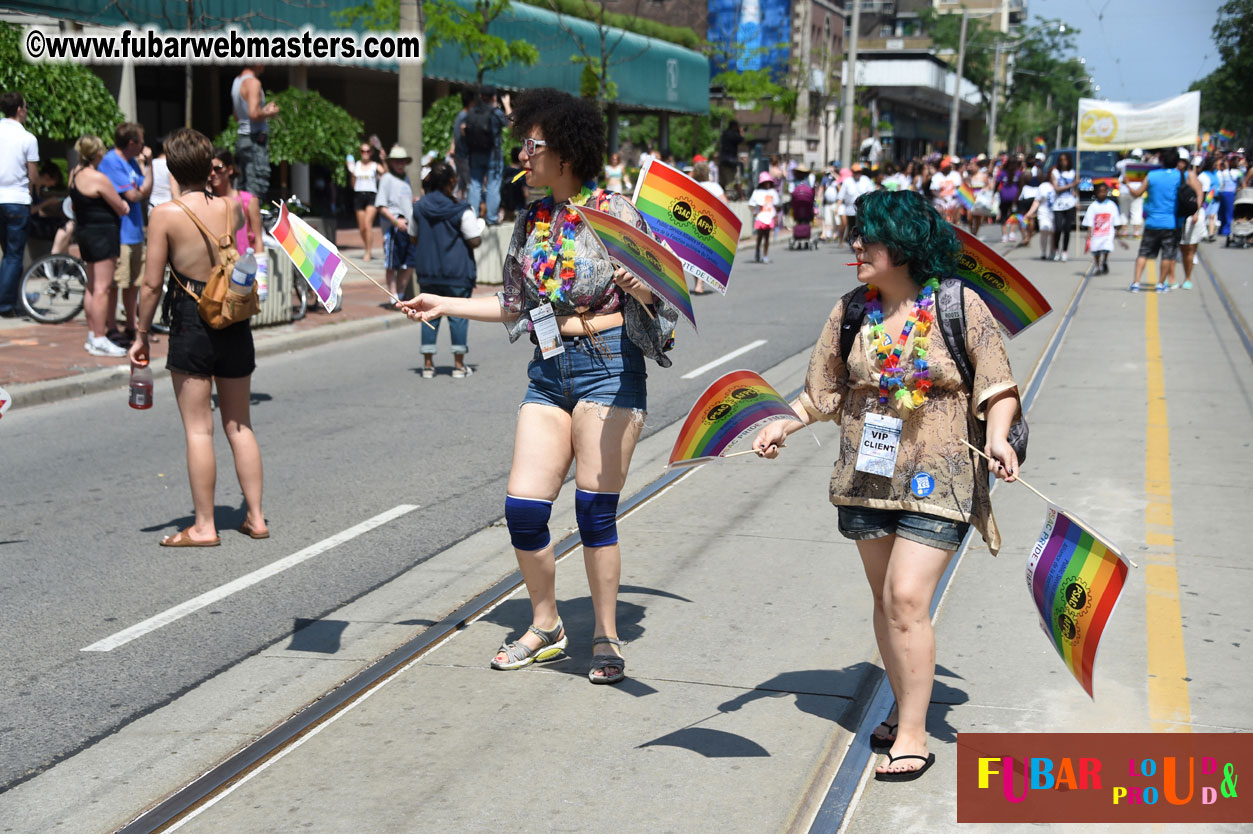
(245, 272)
(141, 385)
(263, 276)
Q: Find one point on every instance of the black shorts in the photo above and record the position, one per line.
(361, 199)
(1023, 206)
(196, 349)
(99, 243)
(1164, 240)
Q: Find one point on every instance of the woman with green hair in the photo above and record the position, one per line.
(906, 485)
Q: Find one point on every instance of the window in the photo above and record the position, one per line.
(885, 31)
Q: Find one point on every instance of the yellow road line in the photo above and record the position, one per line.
(1169, 709)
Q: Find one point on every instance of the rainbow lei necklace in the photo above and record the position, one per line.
(556, 245)
(909, 390)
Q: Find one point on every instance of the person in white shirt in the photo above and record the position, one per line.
(395, 204)
(1102, 218)
(765, 204)
(944, 185)
(364, 176)
(1042, 212)
(852, 188)
(19, 170)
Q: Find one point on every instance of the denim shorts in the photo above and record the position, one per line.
(583, 373)
(860, 523)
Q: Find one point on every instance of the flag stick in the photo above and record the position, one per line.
(980, 453)
(1054, 503)
(388, 292)
(747, 452)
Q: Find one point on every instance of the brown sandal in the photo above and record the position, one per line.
(183, 539)
(246, 529)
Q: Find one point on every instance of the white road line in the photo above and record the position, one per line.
(221, 592)
(721, 359)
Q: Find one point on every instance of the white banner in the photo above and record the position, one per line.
(1119, 125)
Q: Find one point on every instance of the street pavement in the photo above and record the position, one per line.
(750, 653)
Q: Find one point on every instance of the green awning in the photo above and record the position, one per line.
(650, 74)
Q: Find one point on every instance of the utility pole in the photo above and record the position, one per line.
(409, 106)
(957, 86)
(996, 78)
(850, 87)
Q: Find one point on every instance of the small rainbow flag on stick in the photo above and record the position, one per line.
(1137, 171)
(1039, 144)
(701, 229)
(1075, 578)
(1227, 134)
(966, 196)
(1014, 302)
(730, 408)
(314, 257)
(643, 257)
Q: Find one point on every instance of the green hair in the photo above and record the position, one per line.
(912, 230)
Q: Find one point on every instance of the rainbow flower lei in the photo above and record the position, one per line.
(906, 390)
(554, 281)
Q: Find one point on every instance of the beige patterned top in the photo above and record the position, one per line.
(931, 439)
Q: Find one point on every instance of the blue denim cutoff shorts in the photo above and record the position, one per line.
(860, 523)
(582, 373)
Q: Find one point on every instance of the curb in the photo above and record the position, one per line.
(106, 379)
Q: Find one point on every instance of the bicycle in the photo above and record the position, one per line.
(53, 289)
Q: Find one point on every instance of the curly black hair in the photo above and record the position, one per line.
(912, 230)
(573, 127)
(440, 176)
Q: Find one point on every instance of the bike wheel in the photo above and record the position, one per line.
(53, 288)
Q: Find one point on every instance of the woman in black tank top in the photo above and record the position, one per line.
(98, 222)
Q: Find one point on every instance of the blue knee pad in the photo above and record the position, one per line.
(527, 519)
(597, 514)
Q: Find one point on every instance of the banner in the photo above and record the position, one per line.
(1119, 125)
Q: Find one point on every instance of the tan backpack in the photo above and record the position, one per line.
(221, 305)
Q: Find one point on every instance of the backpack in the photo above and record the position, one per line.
(480, 132)
(1185, 202)
(951, 319)
(219, 304)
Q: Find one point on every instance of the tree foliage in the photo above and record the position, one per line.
(465, 26)
(1048, 81)
(593, 11)
(981, 42)
(437, 123)
(1226, 93)
(308, 129)
(66, 100)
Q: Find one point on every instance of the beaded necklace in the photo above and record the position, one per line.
(557, 244)
(907, 390)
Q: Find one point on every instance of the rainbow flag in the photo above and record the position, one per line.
(1040, 144)
(966, 196)
(1014, 302)
(1137, 171)
(1227, 134)
(643, 257)
(701, 229)
(731, 407)
(1075, 579)
(314, 257)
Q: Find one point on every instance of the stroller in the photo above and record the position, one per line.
(802, 218)
(1241, 219)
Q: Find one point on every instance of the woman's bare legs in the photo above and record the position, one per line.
(903, 600)
(96, 296)
(365, 225)
(192, 394)
(604, 440)
(234, 401)
(542, 451)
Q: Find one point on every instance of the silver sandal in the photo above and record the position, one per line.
(601, 662)
(520, 654)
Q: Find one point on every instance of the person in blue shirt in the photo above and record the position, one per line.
(129, 167)
(1162, 228)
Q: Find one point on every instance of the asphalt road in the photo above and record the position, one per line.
(348, 431)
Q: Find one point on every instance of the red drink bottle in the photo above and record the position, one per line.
(141, 386)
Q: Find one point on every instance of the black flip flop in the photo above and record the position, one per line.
(908, 775)
(883, 744)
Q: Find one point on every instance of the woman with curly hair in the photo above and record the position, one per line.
(593, 324)
(906, 485)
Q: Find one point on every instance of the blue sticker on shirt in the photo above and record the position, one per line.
(922, 484)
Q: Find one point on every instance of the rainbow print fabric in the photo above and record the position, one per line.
(1137, 171)
(733, 406)
(1227, 134)
(643, 257)
(1075, 579)
(1014, 302)
(966, 196)
(313, 256)
(701, 229)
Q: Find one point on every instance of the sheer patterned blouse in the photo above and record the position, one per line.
(593, 290)
(933, 434)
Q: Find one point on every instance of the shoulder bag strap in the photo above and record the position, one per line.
(225, 240)
(952, 321)
(851, 323)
